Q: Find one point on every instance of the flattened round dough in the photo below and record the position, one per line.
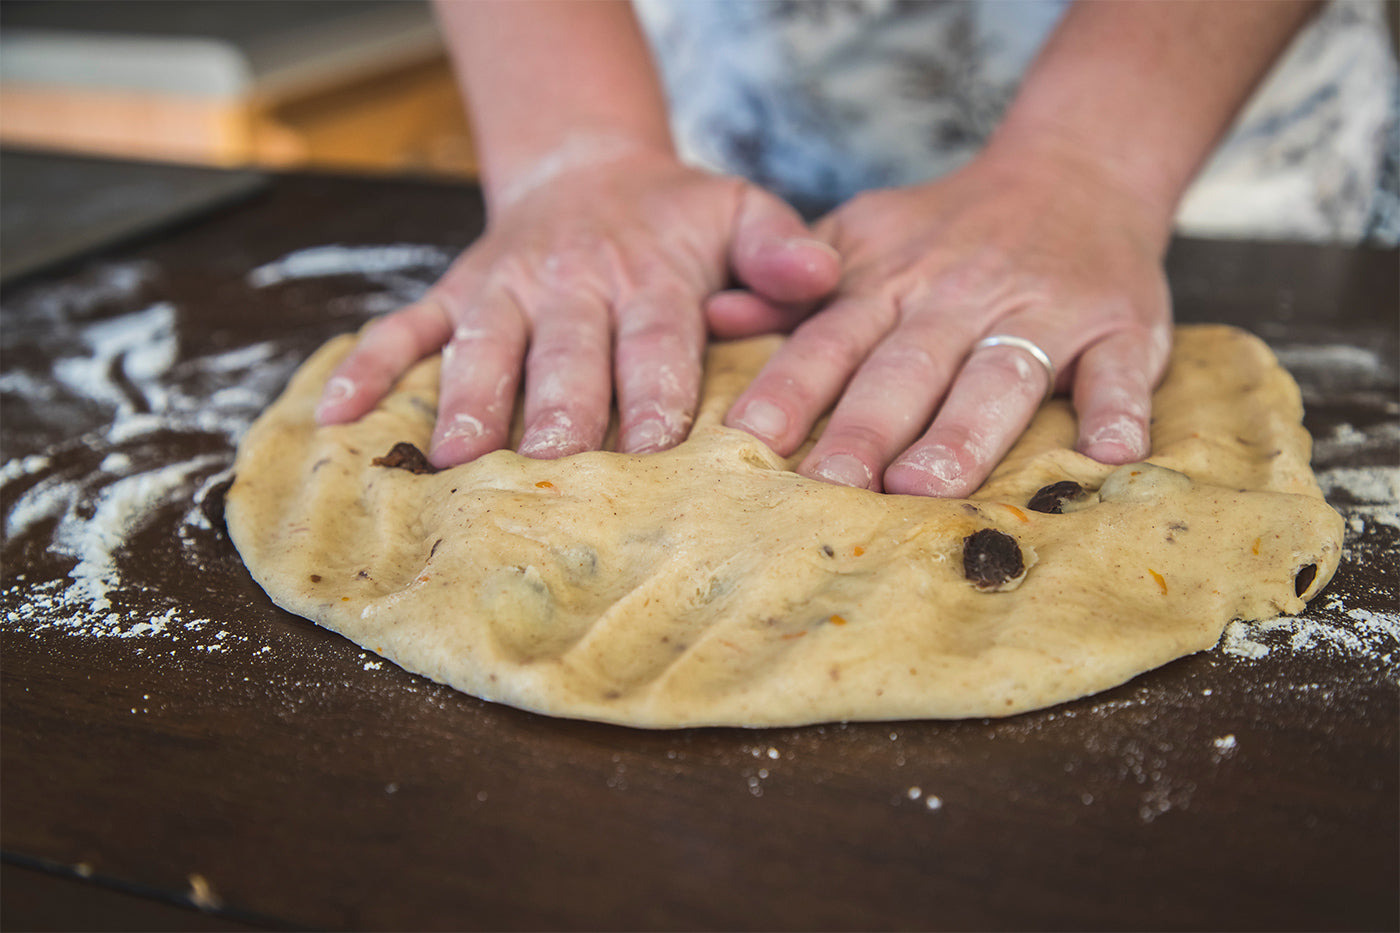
(711, 585)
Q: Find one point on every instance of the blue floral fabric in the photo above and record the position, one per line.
(820, 99)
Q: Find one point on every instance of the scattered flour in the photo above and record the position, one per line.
(1369, 499)
(98, 286)
(140, 345)
(122, 371)
(129, 365)
(1378, 485)
(372, 262)
(1330, 358)
(1348, 442)
(401, 271)
(126, 372)
(1355, 632)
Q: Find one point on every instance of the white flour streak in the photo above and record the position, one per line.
(22, 466)
(127, 365)
(140, 347)
(1329, 357)
(369, 261)
(244, 358)
(102, 285)
(1354, 632)
(27, 386)
(1366, 485)
(121, 508)
(123, 378)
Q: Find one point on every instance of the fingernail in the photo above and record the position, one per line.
(338, 390)
(464, 426)
(1118, 441)
(552, 437)
(648, 436)
(938, 464)
(843, 470)
(764, 420)
(809, 243)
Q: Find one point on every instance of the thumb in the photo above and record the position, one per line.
(774, 255)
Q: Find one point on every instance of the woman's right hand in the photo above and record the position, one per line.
(591, 282)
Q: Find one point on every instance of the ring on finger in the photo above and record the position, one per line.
(1027, 346)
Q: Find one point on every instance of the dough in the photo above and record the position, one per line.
(711, 585)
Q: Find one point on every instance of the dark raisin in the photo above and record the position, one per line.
(405, 456)
(212, 506)
(991, 558)
(1304, 579)
(1051, 499)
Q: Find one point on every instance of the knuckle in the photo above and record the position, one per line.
(872, 443)
(553, 362)
(387, 331)
(907, 362)
(829, 349)
(976, 281)
(573, 333)
(657, 339)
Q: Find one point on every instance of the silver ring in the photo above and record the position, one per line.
(1021, 343)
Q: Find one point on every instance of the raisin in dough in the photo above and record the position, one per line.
(711, 585)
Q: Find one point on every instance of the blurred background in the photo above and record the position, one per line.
(343, 85)
(347, 85)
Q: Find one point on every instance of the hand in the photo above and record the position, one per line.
(597, 270)
(1044, 248)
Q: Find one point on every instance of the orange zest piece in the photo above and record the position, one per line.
(1161, 581)
(1257, 542)
(837, 620)
(858, 550)
(1018, 513)
(544, 484)
(792, 635)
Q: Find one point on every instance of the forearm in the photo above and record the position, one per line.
(1145, 89)
(552, 82)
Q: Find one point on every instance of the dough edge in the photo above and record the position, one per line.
(479, 577)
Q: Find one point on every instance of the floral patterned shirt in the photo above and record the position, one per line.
(820, 99)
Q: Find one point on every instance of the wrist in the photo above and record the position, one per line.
(1145, 196)
(508, 179)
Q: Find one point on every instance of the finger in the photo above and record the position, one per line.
(737, 313)
(805, 376)
(887, 405)
(1113, 386)
(774, 254)
(992, 400)
(480, 375)
(568, 387)
(660, 345)
(386, 350)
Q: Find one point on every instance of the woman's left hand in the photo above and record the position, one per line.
(1046, 248)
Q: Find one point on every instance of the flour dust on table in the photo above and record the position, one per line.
(126, 385)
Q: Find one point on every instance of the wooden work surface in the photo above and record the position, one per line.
(171, 738)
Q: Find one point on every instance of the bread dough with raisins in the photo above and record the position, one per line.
(712, 585)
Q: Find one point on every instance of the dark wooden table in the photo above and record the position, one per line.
(178, 753)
